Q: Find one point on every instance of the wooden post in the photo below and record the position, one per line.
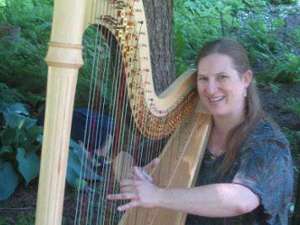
(64, 59)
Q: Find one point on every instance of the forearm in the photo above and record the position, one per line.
(216, 200)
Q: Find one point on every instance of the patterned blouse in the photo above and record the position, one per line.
(263, 165)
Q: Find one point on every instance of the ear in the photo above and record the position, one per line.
(247, 77)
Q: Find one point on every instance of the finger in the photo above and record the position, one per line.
(127, 206)
(138, 173)
(122, 196)
(127, 173)
(147, 176)
(150, 166)
(141, 174)
(126, 182)
(127, 189)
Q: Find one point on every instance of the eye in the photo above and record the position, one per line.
(202, 78)
(222, 77)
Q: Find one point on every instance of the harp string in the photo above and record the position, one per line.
(121, 143)
(99, 214)
(120, 135)
(88, 126)
(106, 80)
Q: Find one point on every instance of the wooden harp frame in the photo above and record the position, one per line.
(64, 58)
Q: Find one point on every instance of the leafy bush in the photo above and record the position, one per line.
(277, 2)
(9, 95)
(20, 144)
(273, 46)
(293, 104)
(197, 22)
(20, 140)
(24, 33)
(81, 168)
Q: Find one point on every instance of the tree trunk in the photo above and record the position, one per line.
(159, 16)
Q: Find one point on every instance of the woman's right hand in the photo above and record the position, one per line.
(139, 189)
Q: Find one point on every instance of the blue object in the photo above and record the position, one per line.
(91, 128)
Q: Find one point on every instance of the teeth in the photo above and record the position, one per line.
(216, 99)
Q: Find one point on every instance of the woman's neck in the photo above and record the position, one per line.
(224, 124)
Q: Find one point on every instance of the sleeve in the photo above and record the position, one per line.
(266, 169)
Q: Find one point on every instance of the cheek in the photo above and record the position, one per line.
(236, 92)
(200, 89)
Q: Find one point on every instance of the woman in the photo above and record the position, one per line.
(246, 176)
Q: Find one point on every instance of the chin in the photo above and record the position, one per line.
(218, 112)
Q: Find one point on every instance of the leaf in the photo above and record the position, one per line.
(34, 132)
(72, 177)
(78, 151)
(74, 180)
(39, 138)
(16, 120)
(18, 108)
(9, 180)
(6, 149)
(28, 164)
(79, 167)
(8, 136)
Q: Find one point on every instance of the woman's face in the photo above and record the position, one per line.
(221, 88)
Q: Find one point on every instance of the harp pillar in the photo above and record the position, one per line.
(64, 58)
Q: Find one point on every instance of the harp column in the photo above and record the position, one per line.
(64, 58)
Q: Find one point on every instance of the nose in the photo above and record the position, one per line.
(211, 87)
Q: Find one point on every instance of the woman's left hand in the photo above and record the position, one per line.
(139, 189)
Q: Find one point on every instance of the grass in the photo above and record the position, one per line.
(20, 219)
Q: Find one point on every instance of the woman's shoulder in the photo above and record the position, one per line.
(267, 139)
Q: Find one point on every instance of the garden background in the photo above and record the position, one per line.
(270, 30)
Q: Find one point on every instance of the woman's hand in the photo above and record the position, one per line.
(139, 189)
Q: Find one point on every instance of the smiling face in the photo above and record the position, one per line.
(221, 88)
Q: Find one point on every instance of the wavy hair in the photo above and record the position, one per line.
(253, 109)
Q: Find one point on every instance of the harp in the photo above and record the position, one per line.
(173, 113)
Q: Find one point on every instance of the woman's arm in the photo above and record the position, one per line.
(216, 200)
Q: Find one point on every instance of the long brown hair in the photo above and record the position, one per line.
(253, 109)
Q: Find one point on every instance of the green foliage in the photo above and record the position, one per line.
(197, 22)
(20, 139)
(293, 104)
(277, 2)
(293, 136)
(24, 33)
(25, 219)
(9, 95)
(9, 175)
(81, 168)
(19, 219)
(28, 164)
(287, 70)
(273, 47)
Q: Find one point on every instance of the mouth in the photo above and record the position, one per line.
(214, 100)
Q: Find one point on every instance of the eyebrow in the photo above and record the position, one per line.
(221, 73)
(205, 75)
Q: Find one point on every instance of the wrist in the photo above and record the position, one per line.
(159, 200)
